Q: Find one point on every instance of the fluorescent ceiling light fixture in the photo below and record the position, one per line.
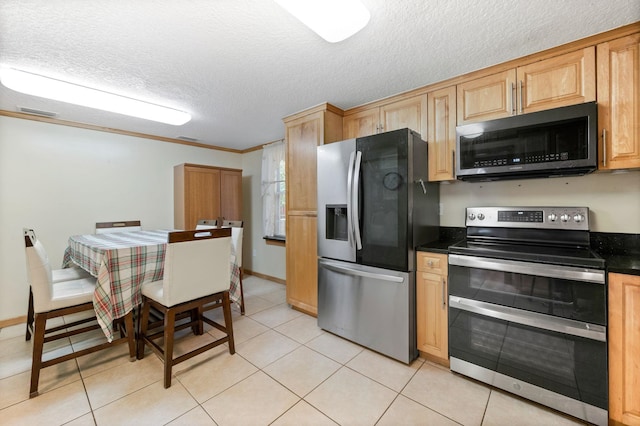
(333, 20)
(58, 90)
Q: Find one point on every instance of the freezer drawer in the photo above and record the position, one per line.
(370, 306)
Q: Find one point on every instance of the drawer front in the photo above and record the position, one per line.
(432, 262)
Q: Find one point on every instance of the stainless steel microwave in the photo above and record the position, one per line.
(557, 142)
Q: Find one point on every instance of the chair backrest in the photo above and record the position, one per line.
(122, 226)
(197, 264)
(38, 271)
(206, 224)
(233, 223)
(236, 240)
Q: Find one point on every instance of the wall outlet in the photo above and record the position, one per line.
(441, 209)
(255, 253)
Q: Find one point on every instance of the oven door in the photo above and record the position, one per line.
(562, 291)
(539, 336)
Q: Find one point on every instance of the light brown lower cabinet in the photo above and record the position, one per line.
(432, 307)
(624, 349)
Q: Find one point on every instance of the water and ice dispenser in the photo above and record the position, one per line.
(336, 226)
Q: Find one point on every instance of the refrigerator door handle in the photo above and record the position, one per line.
(348, 271)
(351, 235)
(355, 201)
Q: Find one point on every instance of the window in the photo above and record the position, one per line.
(274, 190)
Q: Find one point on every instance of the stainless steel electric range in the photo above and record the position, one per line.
(528, 309)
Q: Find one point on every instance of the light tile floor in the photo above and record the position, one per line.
(286, 371)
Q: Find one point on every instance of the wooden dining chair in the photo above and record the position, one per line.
(206, 224)
(57, 275)
(232, 223)
(197, 272)
(122, 226)
(54, 301)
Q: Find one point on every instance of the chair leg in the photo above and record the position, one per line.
(169, 330)
(196, 315)
(29, 315)
(241, 295)
(226, 308)
(38, 344)
(131, 335)
(144, 324)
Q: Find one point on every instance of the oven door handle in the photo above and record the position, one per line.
(527, 268)
(531, 319)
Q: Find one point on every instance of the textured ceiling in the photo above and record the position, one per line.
(240, 66)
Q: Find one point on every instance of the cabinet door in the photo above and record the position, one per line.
(624, 349)
(432, 307)
(619, 103)
(202, 195)
(441, 135)
(567, 79)
(410, 113)
(487, 98)
(363, 123)
(303, 138)
(231, 194)
(302, 267)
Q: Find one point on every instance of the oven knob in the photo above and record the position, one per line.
(472, 216)
(553, 217)
(564, 217)
(480, 216)
(578, 218)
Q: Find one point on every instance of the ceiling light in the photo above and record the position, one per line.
(333, 20)
(45, 87)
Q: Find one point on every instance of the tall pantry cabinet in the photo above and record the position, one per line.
(205, 192)
(304, 132)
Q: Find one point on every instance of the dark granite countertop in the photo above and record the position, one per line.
(621, 252)
(439, 246)
(621, 264)
(448, 236)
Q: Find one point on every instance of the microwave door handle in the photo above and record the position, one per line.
(521, 97)
(355, 199)
(351, 234)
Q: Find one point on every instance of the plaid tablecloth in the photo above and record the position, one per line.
(122, 262)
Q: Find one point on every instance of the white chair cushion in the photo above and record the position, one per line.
(68, 274)
(153, 290)
(65, 294)
(199, 227)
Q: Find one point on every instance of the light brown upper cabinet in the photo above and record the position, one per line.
(205, 192)
(409, 112)
(304, 132)
(619, 103)
(441, 133)
(562, 80)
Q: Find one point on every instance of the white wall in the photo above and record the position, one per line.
(268, 259)
(613, 198)
(61, 180)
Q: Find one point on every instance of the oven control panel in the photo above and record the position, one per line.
(571, 218)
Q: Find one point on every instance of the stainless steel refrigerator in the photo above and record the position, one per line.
(375, 205)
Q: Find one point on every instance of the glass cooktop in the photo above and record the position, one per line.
(558, 255)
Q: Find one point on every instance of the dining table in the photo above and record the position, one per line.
(122, 262)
